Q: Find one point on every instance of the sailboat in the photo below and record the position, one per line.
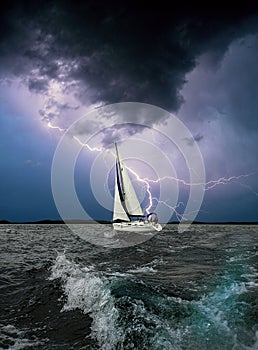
(128, 214)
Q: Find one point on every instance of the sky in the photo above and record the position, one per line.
(65, 60)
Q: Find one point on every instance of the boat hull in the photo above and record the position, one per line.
(137, 226)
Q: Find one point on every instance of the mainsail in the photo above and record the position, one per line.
(126, 203)
(119, 211)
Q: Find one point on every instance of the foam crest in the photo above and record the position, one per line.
(143, 269)
(130, 315)
(90, 292)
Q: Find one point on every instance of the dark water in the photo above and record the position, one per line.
(194, 290)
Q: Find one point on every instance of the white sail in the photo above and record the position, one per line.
(128, 196)
(126, 204)
(131, 201)
(119, 212)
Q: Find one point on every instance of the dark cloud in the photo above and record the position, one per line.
(117, 51)
(196, 138)
(37, 85)
(228, 95)
(118, 133)
(53, 109)
(107, 136)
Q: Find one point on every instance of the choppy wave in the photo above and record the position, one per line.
(197, 290)
(128, 314)
(12, 338)
(89, 291)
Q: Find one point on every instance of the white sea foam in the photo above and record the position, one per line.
(90, 292)
(143, 269)
(149, 268)
(156, 322)
(251, 278)
(217, 304)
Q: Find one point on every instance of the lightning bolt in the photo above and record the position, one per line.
(207, 185)
(249, 188)
(138, 178)
(179, 216)
(54, 127)
(223, 181)
(147, 181)
(92, 149)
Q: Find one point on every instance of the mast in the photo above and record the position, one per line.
(119, 178)
(120, 211)
(126, 190)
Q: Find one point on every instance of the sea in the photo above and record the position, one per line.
(196, 289)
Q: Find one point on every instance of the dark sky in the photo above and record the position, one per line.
(59, 59)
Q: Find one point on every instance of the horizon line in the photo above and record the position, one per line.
(71, 221)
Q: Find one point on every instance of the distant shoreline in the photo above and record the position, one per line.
(59, 222)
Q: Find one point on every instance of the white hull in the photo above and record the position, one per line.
(137, 226)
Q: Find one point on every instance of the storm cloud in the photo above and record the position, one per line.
(112, 52)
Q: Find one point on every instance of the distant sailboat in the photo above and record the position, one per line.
(128, 214)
